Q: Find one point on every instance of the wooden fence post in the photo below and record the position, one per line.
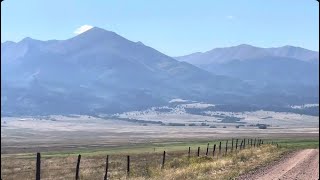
(128, 165)
(237, 144)
(164, 159)
(189, 151)
(220, 148)
(214, 149)
(251, 142)
(241, 144)
(107, 166)
(226, 147)
(78, 167)
(254, 145)
(38, 166)
(244, 143)
(207, 149)
(232, 145)
(198, 151)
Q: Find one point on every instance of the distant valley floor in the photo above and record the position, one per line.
(64, 133)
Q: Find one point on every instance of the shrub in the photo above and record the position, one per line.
(176, 124)
(262, 126)
(204, 124)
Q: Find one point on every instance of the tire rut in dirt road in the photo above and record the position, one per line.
(307, 169)
(301, 165)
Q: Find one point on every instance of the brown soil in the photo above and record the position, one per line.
(300, 165)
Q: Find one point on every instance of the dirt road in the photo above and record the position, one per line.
(301, 165)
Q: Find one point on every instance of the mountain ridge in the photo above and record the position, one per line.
(284, 67)
(100, 70)
(245, 51)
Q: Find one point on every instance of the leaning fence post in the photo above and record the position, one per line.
(107, 166)
(207, 149)
(38, 166)
(214, 149)
(78, 166)
(164, 159)
(198, 151)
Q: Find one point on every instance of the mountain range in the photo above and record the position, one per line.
(245, 51)
(280, 69)
(99, 71)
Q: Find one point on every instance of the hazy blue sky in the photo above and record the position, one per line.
(174, 27)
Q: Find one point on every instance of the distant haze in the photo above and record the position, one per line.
(99, 71)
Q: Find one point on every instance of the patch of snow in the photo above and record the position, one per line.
(305, 106)
(197, 105)
(178, 100)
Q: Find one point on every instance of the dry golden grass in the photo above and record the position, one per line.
(143, 166)
(227, 167)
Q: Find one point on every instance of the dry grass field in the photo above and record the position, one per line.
(64, 133)
(144, 165)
